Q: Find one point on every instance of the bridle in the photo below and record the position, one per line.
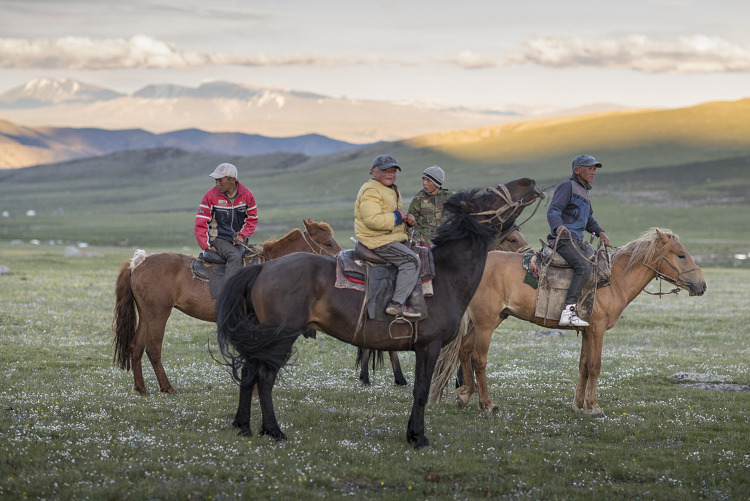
(318, 249)
(676, 281)
(510, 205)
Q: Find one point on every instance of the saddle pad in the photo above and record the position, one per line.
(211, 273)
(379, 282)
(353, 266)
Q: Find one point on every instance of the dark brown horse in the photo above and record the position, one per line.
(160, 282)
(511, 240)
(263, 309)
(502, 293)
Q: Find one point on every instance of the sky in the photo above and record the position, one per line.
(491, 53)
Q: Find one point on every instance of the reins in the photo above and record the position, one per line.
(306, 237)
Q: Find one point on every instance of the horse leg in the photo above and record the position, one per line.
(242, 417)
(153, 339)
(583, 374)
(364, 371)
(595, 339)
(396, 365)
(270, 426)
(137, 347)
(479, 360)
(466, 390)
(426, 358)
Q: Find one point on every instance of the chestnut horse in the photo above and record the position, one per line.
(160, 282)
(511, 240)
(502, 293)
(263, 309)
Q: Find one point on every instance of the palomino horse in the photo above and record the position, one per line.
(263, 309)
(502, 293)
(511, 240)
(164, 281)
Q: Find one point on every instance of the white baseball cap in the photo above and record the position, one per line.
(224, 170)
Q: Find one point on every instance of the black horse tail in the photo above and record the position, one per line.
(376, 360)
(243, 340)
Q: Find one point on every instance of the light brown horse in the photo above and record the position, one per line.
(510, 241)
(502, 293)
(160, 282)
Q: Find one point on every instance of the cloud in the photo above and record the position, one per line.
(693, 54)
(469, 60)
(142, 51)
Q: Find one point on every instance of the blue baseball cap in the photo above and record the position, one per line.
(586, 160)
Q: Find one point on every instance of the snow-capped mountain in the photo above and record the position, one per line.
(48, 91)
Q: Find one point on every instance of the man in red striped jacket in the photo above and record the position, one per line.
(226, 216)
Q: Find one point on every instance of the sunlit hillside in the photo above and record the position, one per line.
(625, 139)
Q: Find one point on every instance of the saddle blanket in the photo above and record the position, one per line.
(378, 281)
(550, 274)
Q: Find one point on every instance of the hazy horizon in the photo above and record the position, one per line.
(646, 53)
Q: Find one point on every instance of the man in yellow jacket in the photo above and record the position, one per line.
(380, 225)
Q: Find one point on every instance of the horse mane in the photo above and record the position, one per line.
(323, 226)
(272, 244)
(645, 248)
(460, 224)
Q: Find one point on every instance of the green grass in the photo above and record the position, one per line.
(70, 427)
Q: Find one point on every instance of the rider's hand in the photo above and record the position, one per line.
(604, 239)
(237, 240)
(561, 230)
(410, 219)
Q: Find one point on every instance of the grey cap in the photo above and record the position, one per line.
(224, 170)
(435, 174)
(585, 160)
(384, 162)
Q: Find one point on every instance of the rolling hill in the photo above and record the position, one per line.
(687, 170)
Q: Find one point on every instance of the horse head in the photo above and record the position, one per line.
(321, 238)
(661, 251)
(504, 203)
(676, 265)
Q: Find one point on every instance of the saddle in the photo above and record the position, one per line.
(551, 275)
(363, 270)
(210, 267)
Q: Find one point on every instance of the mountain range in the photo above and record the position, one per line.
(25, 146)
(236, 107)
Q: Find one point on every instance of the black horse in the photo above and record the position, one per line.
(263, 309)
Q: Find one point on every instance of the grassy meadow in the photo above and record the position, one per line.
(71, 428)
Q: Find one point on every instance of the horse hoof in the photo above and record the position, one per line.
(245, 431)
(169, 390)
(402, 382)
(275, 434)
(422, 443)
(140, 391)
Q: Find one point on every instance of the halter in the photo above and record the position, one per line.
(320, 249)
(510, 204)
(677, 281)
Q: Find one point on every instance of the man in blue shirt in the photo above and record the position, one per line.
(569, 215)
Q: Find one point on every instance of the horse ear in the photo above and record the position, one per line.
(306, 223)
(664, 238)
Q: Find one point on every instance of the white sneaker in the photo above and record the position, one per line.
(569, 317)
